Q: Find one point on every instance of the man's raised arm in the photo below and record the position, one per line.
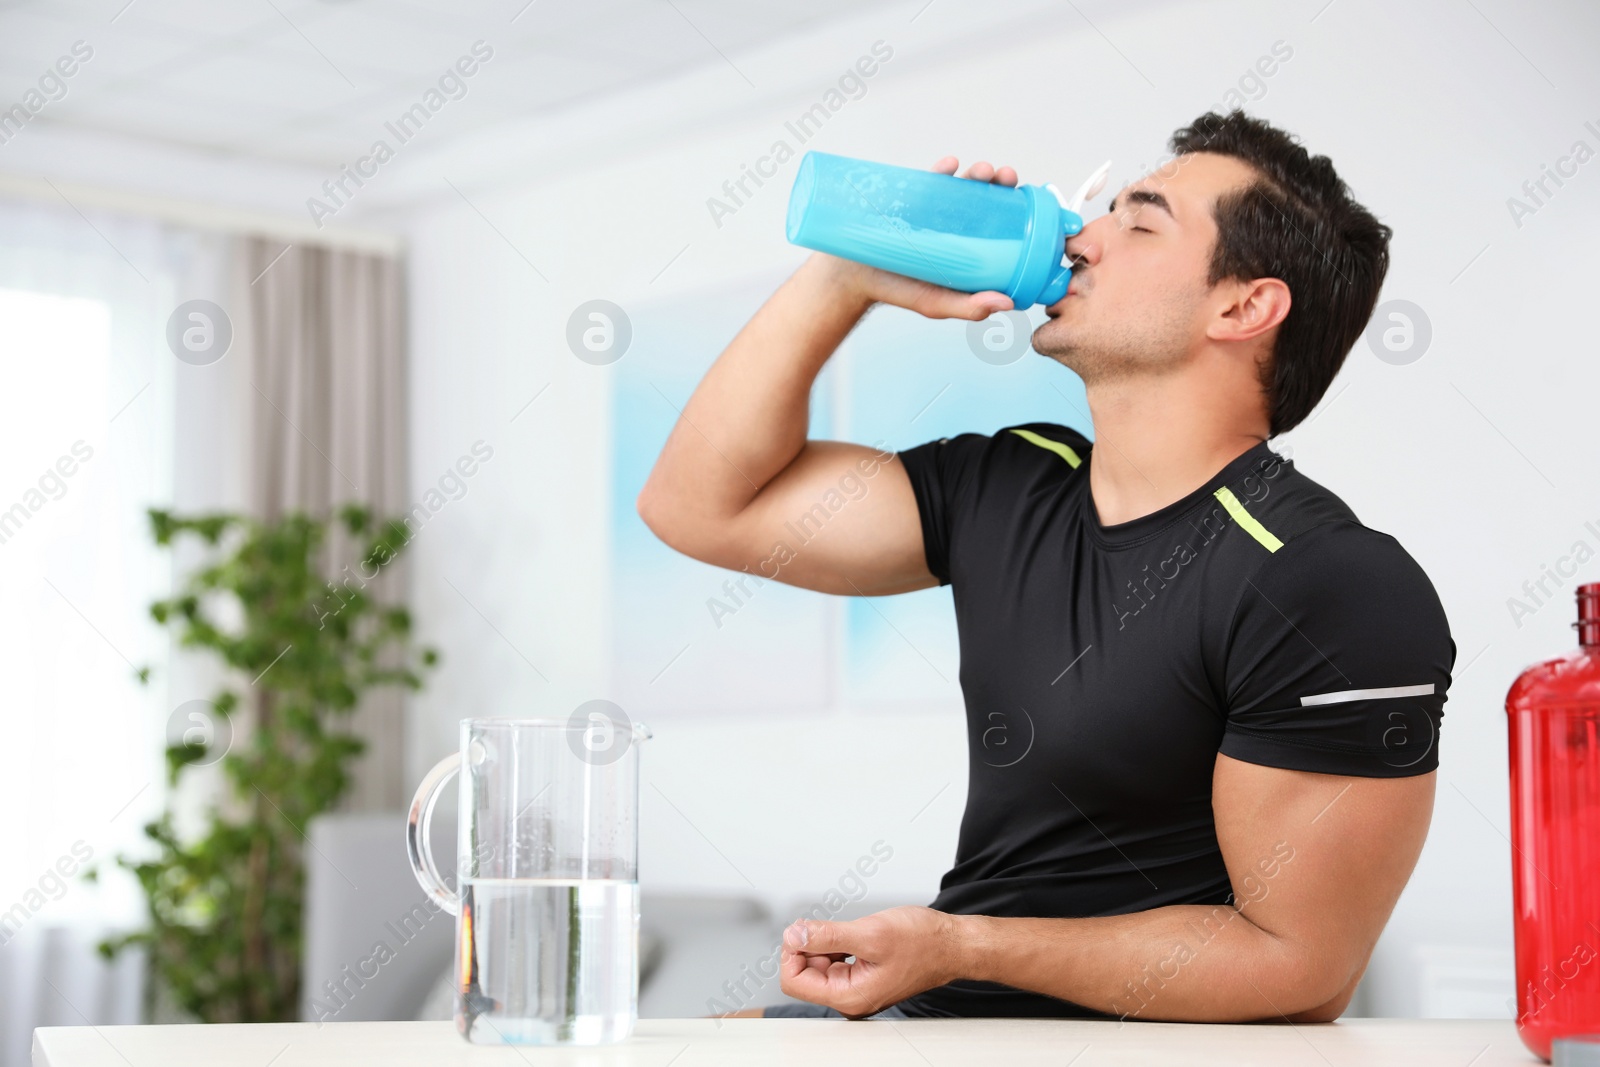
(737, 472)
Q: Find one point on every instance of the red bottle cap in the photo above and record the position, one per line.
(1588, 624)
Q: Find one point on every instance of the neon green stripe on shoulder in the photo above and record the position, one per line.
(1072, 458)
(1246, 520)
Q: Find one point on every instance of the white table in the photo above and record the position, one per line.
(804, 1043)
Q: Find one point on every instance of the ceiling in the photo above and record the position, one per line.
(313, 82)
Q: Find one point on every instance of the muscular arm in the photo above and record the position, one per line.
(737, 468)
(1316, 861)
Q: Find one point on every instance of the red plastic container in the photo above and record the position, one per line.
(1553, 710)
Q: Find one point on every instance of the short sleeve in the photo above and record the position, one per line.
(1338, 659)
(943, 474)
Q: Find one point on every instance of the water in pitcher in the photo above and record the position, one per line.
(547, 961)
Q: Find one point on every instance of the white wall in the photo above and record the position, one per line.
(1479, 456)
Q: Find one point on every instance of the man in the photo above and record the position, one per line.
(1218, 694)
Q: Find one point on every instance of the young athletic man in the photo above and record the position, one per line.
(1220, 693)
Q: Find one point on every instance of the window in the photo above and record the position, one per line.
(70, 633)
(86, 429)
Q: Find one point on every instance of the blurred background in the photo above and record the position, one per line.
(460, 263)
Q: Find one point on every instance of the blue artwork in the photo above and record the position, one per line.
(688, 637)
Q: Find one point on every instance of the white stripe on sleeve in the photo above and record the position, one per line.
(1367, 694)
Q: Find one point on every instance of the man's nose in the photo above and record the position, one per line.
(1084, 246)
(1081, 251)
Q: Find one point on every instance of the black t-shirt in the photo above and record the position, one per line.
(1104, 667)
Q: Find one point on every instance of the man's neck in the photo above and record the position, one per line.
(1157, 441)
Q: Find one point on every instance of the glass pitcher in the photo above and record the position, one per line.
(547, 910)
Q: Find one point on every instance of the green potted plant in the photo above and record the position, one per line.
(225, 907)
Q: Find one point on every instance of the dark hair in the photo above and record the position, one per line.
(1296, 222)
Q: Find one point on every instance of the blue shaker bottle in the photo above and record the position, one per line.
(966, 235)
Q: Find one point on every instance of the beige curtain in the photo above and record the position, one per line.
(326, 352)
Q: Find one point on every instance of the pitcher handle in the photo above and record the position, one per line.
(418, 846)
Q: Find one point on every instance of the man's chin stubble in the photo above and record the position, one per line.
(1060, 349)
(1094, 367)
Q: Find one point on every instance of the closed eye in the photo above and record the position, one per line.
(1141, 229)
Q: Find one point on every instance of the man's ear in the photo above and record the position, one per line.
(1252, 309)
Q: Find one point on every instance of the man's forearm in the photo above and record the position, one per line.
(1186, 962)
(747, 419)
(1294, 949)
